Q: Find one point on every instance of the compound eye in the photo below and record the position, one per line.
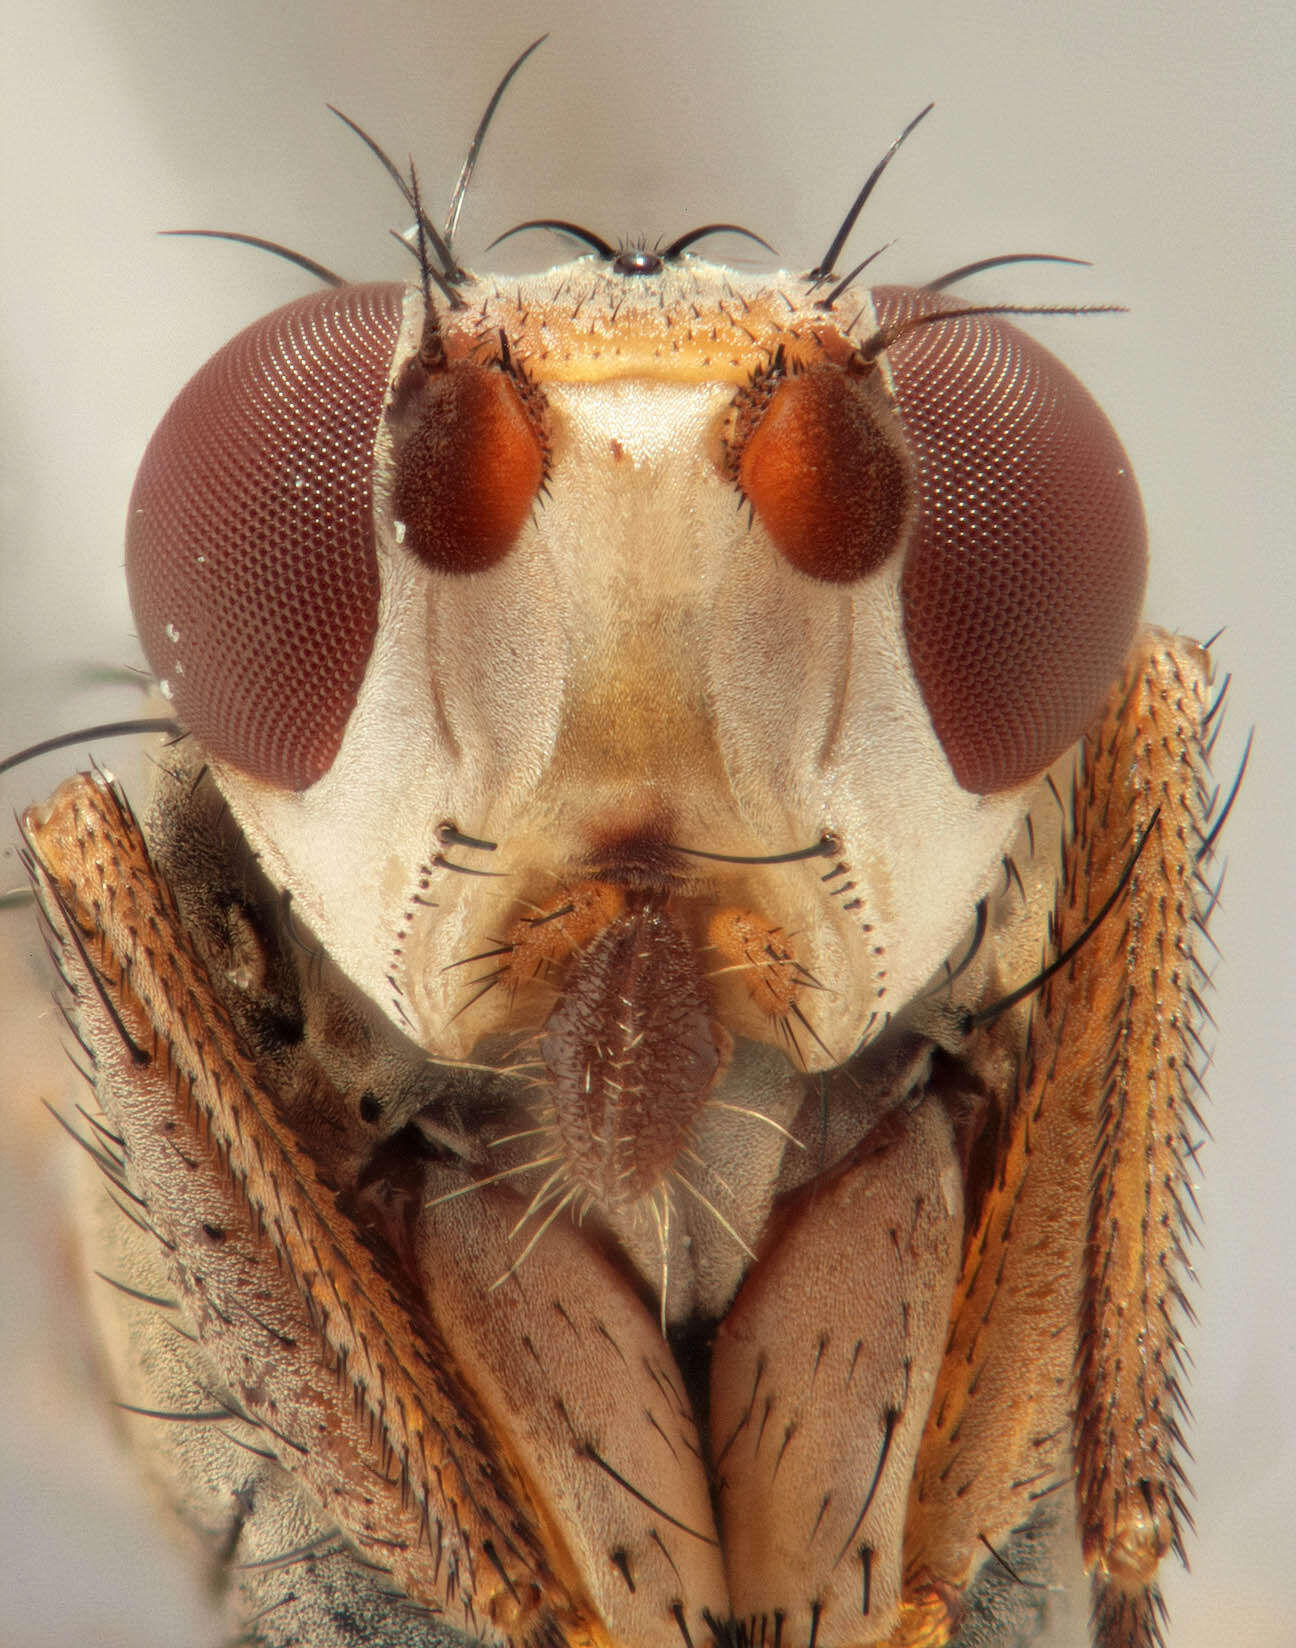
(815, 456)
(470, 459)
(250, 544)
(1024, 576)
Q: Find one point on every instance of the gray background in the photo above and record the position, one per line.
(1155, 142)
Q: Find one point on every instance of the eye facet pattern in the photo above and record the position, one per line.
(994, 472)
(250, 543)
(1023, 582)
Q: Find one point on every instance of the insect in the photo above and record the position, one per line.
(773, 877)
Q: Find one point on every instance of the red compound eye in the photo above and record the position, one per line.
(1005, 486)
(1023, 581)
(250, 544)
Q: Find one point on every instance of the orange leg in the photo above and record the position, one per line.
(1065, 1323)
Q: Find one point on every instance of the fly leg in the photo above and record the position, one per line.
(1146, 773)
(311, 1356)
(1066, 1320)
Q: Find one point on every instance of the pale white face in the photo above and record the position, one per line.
(755, 605)
(642, 671)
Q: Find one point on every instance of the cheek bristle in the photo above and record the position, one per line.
(250, 543)
(1023, 583)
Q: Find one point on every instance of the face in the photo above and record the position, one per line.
(543, 603)
(660, 212)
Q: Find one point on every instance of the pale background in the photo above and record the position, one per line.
(1156, 143)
